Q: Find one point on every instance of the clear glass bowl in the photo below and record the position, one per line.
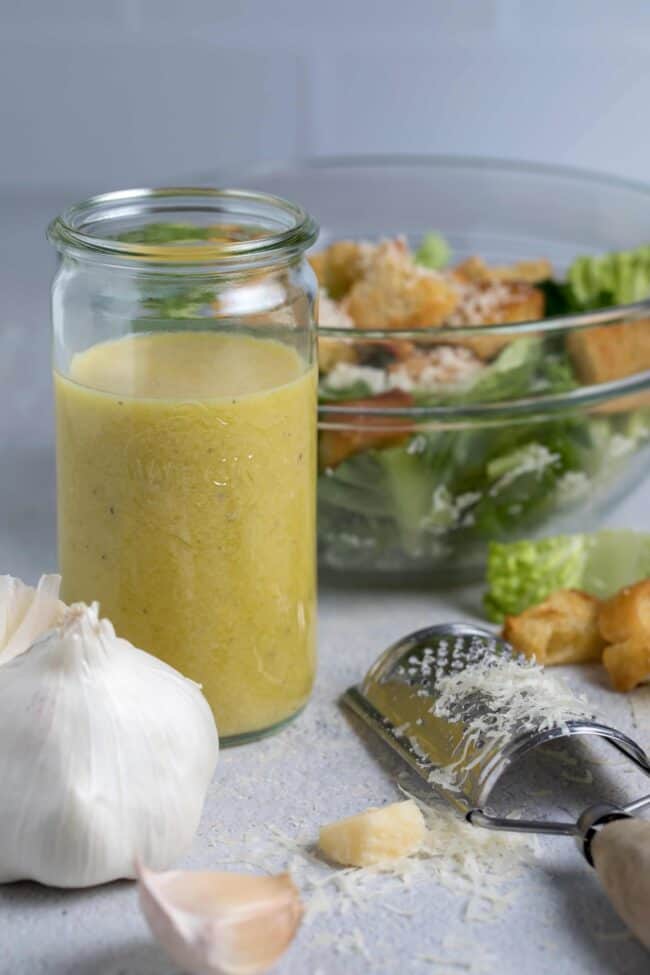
(550, 440)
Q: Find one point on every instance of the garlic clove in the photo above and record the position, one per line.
(27, 613)
(213, 923)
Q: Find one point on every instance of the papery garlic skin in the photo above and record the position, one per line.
(106, 754)
(27, 613)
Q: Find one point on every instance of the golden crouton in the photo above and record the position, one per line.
(396, 293)
(563, 629)
(627, 614)
(531, 271)
(609, 352)
(332, 351)
(363, 430)
(502, 303)
(475, 270)
(340, 265)
(440, 365)
(318, 262)
(628, 662)
(623, 404)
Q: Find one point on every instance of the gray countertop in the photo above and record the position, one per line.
(317, 770)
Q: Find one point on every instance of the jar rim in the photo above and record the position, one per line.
(289, 229)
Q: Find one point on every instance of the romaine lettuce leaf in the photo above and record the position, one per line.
(165, 233)
(609, 279)
(434, 252)
(521, 574)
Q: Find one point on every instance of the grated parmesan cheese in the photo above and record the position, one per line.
(346, 374)
(620, 445)
(496, 699)
(438, 369)
(533, 459)
(479, 302)
(572, 485)
(331, 314)
(460, 956)
(441, 368)
(449, 511)
(478, 865)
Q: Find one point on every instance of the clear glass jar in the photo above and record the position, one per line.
(185, 386)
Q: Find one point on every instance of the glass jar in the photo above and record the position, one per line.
(185, 386)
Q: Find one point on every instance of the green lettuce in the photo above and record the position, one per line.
(165, 233)
(520, 367)
(434, 252)
(521, 574)
(609, 279)
(183, 302)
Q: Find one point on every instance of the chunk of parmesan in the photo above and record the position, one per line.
(374, 836)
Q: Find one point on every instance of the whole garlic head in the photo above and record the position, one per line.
(106, 754)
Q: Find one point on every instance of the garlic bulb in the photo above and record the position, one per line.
(106, 754)
(220, 923)
(26, 613)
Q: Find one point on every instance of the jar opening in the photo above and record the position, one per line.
(186, 226)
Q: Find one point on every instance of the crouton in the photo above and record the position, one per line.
(563, 629)
(628, 662)
(332, 351)
(503, 304)
(475, 270)
(363, 430)
(341, 265)
(397, 293)
(497, 303)
(433, 368)
(624, 404)
(318, 263)
(627, 614)
(609, 352)
(533, 272)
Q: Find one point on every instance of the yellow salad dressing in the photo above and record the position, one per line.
(186, 479)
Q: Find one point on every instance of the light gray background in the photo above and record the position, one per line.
(96, 95)
(100, 94)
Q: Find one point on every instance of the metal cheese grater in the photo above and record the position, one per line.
(397, 699)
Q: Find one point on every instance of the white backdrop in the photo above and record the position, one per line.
(97, 94)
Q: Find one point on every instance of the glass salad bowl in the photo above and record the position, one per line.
(484, 354)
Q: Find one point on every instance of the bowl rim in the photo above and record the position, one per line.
(72, 233)
(526, 407)
(611, 315)
(337, 415)
(470, 160)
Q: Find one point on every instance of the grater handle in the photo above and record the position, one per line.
(620, 851)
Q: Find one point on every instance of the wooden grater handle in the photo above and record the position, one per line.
(620, 851)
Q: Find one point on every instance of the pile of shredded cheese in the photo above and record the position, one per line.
(496, 699)
(477, 864)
